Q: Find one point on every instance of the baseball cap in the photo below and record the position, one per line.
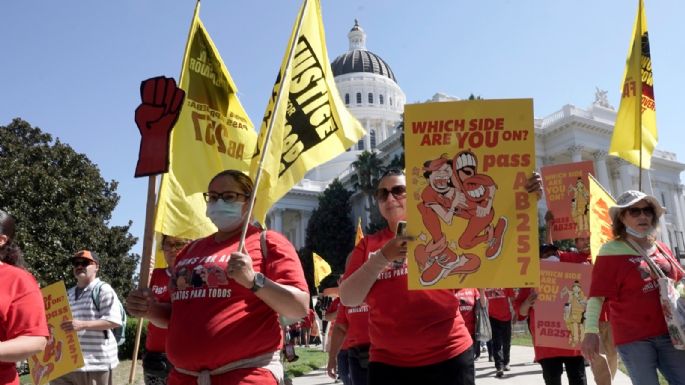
(86, 254)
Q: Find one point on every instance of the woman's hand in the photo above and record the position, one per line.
(240, 269)
(534, 184)
(396, 249)
(139, 301)
(332, 367)
(590, 346)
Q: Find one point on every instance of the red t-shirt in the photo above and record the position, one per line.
(498, 303)
(408, 327)
(357, 321)
(307, 321)
(467, 302)
(541, 352)
(214, 322)
(632, 294)
(159, 285)
(22, 313)
(574, 257)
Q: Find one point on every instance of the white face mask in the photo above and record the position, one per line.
(226, 216)
(639, 234)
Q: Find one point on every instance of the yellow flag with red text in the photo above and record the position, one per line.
(321, 269)
(213, 133)
(360, 233)
(600, 221)
(635, 134)
(311, 123)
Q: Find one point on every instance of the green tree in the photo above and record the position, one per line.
(62, 205)
(330, 231)
(368, 170)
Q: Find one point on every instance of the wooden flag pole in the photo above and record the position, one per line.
(267, 139)
(146, 263)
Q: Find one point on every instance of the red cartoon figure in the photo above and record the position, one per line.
(441, 199)
(53, 349)
(479, 190)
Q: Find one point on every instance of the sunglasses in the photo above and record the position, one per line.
(397, 192)
(636, 211)
(173, 246)
(81, 263)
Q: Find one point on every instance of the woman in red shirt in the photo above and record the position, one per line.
(23, 326)
(156, 366)
(623, 279)
(223, 317)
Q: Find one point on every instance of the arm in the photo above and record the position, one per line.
(337, 338)
(590, 344)
(549, 221)
(353, 289)
(525, 305)
(141, 303)
(77, 325)
(286, 300)
(21, 347)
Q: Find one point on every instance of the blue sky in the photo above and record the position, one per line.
(74, 68)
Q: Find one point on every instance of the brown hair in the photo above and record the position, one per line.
(10, 252)
(244, 181)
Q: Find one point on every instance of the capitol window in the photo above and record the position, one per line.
(390, 102)
(370, 98)
(359, 98)
(380, 99)
(372, 138)
(347, 98)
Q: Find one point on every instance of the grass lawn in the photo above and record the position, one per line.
(120, 376)
(310, 359)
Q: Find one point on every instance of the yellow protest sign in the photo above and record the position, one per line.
(568, 198)
(475, 224)
(600, 221)
(62, 353)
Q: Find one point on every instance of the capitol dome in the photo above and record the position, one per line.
(361, 60)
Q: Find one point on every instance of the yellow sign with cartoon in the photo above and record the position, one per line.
(62, 354)
(473, 221)
(568, 196)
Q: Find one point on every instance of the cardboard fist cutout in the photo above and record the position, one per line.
(161, 102)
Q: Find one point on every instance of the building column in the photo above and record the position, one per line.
(576, 153)
(601, 169)
(277, 222)
(625, 176)
(304, 220)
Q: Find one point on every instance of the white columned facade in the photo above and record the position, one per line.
(576, 153)
(601, 169)
(304, 221)
(624, 174)
(277, 219)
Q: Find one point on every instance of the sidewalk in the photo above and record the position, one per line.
(523, 372)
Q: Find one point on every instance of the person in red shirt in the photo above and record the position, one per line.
(23, 325)
(623, 279)
(604, 365)
(350, 336)
(552, 360)
(156, 366)
(499, 309)
(468, 299)
(230, 333)
(307, 328)
(417, 336)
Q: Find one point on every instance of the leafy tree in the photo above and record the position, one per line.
(330, 231)
(369, 169)
(62, 205)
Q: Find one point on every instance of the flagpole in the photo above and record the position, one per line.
(148, 239)
(638, 28)
(265, 148)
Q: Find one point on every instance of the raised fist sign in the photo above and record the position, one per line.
(161, 102)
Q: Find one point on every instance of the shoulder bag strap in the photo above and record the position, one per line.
(652, 266)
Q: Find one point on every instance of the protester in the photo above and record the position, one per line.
(350, 336)
(624, 280)
(552, 360)
(307, 328)
(499, 309)
(156, 366)
(23, 326)
(225, 328)
(416, 336)
(469, 299)
(604, 365)
(93, 322)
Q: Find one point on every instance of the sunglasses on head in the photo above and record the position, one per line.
(81, 263)
(636, 211)
(397, 191)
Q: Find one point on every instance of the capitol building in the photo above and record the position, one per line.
(369, 89)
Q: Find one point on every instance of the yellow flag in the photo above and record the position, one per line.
(311, 123)
(600, 221)
(360, 232)
(213, 133)
(635, 134)
(321, 269)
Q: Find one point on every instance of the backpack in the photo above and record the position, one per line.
(119, 331)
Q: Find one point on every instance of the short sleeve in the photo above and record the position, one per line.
(604, 277)
(26, 312)
(110, 307)
(283, 264)
(357, 257)
(341, 316)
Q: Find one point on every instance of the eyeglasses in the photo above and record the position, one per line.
(81, 263)
(636, 211)
(226, 196)
(173, 246)
(397, 192)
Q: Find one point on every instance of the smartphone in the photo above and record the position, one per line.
(401, 229)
